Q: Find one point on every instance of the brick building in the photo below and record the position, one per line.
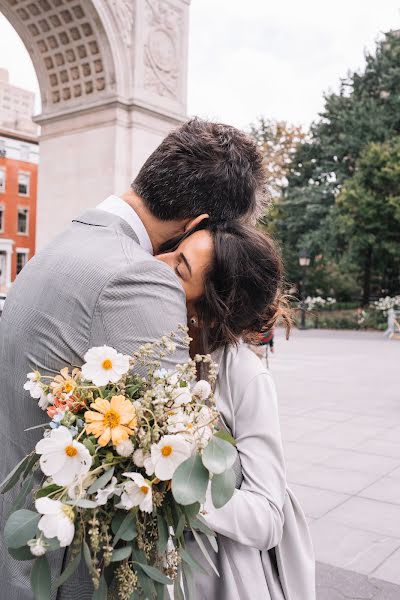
(19, 157)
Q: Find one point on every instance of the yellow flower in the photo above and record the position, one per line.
(64, 384)
(112, 420)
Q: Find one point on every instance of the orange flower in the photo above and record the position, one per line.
(115, 420)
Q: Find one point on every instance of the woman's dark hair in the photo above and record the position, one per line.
(243, 286)
(203, 167)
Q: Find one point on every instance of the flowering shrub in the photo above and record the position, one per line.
(126, 462)
(317, 302)
(384, 304)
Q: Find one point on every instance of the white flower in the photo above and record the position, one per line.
(124, 448)
(141, 460)
(33, 385)
(104, 494)
(63, 458)
(168, 454)
(202, 390)
(45, 400)
(37, 546)
(181, 396)
(104, 365)
(137, 493)
(177, 421)
(57, 520)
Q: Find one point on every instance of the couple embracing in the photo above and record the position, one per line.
(180, 246)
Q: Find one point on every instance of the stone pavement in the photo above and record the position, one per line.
(339, 397)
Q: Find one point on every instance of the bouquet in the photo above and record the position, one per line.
(122, 470)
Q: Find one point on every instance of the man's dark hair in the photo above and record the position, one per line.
(203, 167)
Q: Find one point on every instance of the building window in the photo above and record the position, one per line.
(23, 184)
(1, 218)
(2, 179)
(23, 217)
(22, 259)
(3, 151)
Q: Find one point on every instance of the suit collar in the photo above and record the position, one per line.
(100, 218)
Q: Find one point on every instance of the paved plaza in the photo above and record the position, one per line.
(339, 397)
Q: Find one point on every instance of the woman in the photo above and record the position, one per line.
(232, 277)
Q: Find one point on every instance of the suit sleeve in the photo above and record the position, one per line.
(138, 306)
(254, 515)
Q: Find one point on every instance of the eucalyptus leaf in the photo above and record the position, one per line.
(226, 436)
(31, 462)
(47, 490)
(13, 477)
(82, 503)
(199, 523)
(189, 581)
(218, 455)
(102, 481)
(180, 526)
(192, 562)
(124, 527)
(163, 534)
(223, 487)
(204, 550)
(192, 510)
(121, 553)
(23, 553)
(102, 592)
(41, 579)
(147, 584)
(178, 592)
(87, 556)
(26, 489)
(69, 570)
(190, 481)
(213, 542)
(155, 574)
(87, 442)
(20, 527)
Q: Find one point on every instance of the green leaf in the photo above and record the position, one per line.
(87, 442)
(23, 553)
(52, 544)
(102, 481)
(124, 527)
(163, 534)
(226, 436)
(189, 579)
(68, 571)
(23, 493)
(147, 584)
(218, 455)
(178, 593)
(20, 527)
(223, 487)
(82, 503)
(47, 490)
(190, 481)
(204, 550)
(121, 553)
(192, 562)
(33, 459)
(41, 579)
(102, 591)
(154, 573)
(13, 477)
(180, 526)
(87, 556)
(192, 510)
(199, 523)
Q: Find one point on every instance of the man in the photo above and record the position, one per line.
(97, 283)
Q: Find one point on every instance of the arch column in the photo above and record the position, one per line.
(112, 75)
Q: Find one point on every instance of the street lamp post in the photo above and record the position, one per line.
(304, 262)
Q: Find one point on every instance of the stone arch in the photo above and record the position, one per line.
(69, 49)
(112, 77)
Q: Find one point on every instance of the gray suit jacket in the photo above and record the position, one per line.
(92, 285)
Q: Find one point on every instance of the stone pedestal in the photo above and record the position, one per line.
(112, 75)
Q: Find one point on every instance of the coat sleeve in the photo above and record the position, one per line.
(254, 515)
(139, 305)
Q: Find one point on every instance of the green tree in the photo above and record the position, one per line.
(367, 215)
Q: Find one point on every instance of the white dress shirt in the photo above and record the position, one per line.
(116, 206)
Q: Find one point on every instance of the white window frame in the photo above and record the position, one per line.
(27, 220)
(24, 252)
(2, 210)
(27, 173)
(4, 171)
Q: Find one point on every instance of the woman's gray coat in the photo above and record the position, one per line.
(265, 550)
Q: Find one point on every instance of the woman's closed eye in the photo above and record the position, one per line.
(183, 268)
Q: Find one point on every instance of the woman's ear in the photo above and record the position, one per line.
(193, 321)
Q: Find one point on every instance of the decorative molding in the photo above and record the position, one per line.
(124, 11)
(162, 48)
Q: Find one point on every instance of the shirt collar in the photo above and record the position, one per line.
(116, 206)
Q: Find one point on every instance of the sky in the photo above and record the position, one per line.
(257, 57)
